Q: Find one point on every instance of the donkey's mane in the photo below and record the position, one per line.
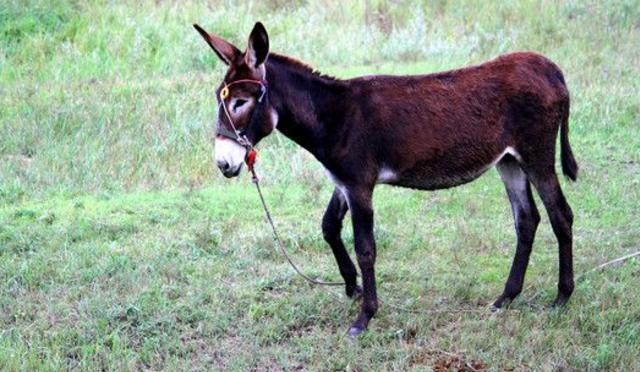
(299, 66)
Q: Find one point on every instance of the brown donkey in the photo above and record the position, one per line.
(424, 132)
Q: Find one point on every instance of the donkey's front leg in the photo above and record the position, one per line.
(331, 229)
(365, 247)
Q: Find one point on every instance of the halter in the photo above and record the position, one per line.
(235, 135)
(224, 93)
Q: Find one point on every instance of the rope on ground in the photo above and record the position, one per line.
(280, 244)
(593, 270)
(608, 263)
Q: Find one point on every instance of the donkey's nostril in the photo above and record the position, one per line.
(223, 165)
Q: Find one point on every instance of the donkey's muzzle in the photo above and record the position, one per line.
(227, 170)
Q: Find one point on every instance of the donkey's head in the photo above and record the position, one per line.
(245, 114)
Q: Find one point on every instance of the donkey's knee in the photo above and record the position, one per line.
(563, 207)
(331, 227)
(533, 219)
(527, 222)
(535, 216)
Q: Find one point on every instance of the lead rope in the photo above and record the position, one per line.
(256, 181)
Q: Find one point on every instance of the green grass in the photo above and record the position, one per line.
(121, 247)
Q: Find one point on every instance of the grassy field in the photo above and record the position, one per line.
(121, 247)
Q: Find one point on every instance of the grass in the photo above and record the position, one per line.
(121, 247)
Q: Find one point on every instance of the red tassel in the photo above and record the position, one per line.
(251, 158)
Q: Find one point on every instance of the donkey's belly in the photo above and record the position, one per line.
(426, 180)
(445, 172)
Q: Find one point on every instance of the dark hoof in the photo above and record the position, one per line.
(501, 302)
(559, 302)
(354, 332)
(355, 293)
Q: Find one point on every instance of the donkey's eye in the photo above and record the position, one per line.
(239, 103)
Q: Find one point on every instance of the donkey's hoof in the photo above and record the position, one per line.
(354, 332)
(355, 293)
(559, 302)
(501, 303)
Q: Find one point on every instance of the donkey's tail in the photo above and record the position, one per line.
(569, 165)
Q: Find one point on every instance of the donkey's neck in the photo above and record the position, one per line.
(310, 106)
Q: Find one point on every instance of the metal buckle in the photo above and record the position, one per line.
(224, 93)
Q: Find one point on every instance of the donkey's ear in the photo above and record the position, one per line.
(224, 49)
(258, 48)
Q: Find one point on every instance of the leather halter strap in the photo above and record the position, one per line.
(235, 133)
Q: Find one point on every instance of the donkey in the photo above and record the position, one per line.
(423, 132)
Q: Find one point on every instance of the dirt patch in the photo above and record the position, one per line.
(450, 362)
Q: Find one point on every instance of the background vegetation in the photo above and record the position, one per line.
(121, 247)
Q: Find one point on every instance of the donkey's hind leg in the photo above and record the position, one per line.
(526, 219)
(331, 229)
(561, 218)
